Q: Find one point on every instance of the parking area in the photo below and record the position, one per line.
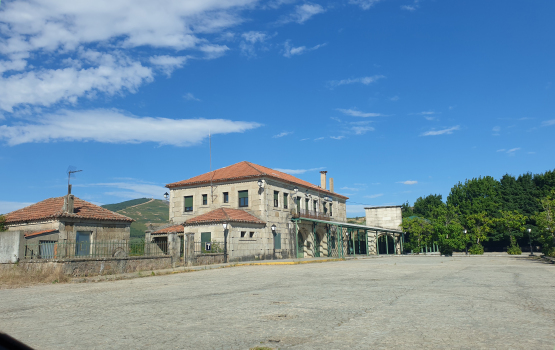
(380, 303)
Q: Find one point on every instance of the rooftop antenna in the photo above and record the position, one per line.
(70, 170)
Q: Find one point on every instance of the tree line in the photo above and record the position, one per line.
(486, 214)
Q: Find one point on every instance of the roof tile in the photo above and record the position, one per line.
(170, 229)
(224, 215)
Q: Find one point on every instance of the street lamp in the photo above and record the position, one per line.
(166, 195)
(530, 241)
(466, 243)
(225, 225)
(273, 228)
(296, 189)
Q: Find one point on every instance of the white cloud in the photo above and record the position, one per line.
(408, 7)
(319, 138)
(496, 129)
(292, 51)
(408, 182)
(113, 126)
(512, 150)
(394, 98)
(7, 207)
(501, 150)
(374, 195)
(298, 171)
(133, 189)
(356, 113)
(250, 40)
(447, 131)
(285, 133)
(337, 137)
(48, 30)
(361, 80)
(548, 122)
(303, 13)
(364, 4)
(168, 63)
(426, 113)
(190, 97)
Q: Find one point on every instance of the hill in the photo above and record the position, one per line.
(143, 211)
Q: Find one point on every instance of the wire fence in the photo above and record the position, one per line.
(212, 247)
(98, 249)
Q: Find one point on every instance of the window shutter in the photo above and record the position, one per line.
(189, 201)
(243, 194)
(276, 194)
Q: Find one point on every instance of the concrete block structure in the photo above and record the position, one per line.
(59, 220)
(387, 217)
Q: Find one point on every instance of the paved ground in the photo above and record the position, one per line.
(381, 303)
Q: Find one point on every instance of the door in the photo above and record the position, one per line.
(300, 246)
(83, 244)
(316, 245)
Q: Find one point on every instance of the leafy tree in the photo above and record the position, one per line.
(512, 225)
(447, 229)
(2, 223)
(480, 225)
(424, 206)
(546, 223)
(476, 196)
(420, 232)
(406, 210)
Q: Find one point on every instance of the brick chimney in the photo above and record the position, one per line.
(323, 179)
(331, 184)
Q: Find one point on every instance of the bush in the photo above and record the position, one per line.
(446, 249)
(476, 249)
(514, 249)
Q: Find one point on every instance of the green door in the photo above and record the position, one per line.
(83, 244)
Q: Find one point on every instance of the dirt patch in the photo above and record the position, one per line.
(16, 277)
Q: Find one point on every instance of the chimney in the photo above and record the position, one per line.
(323, 179)
(331, 184)
(68, 203)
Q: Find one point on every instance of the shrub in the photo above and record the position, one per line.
(514, 249)
(476, 248)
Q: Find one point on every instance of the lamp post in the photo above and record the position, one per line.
(530, 241)
(225, 225)
(274, 234)
(465, 242)
(166, 195)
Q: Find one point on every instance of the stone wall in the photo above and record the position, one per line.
(10, 246)
(385, 217)
(94, 267)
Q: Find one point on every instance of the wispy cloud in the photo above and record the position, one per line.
(190, 97)
(114, 126)
(394, 98)
(168, 64)
(413, 7)
(337, 137)
(361, 80)
(364, 4)
(496, 130)
(289, 51)
(303, 13)
(250, 41)
(501, 150)
(513, 150)
(282, 134)
(131, 189)
(548, 122)
(408, 182)
(361, 130)
(319, 138)
(357, 113)
(374, 195)
(298, 171)
(447, 131)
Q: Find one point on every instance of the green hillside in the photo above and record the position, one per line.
(126, 204)
(143, 211)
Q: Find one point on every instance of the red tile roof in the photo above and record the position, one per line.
(170, 229)
(224, 215)
(51, 208)
(38, 233)
(247, 170)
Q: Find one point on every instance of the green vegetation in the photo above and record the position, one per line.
(123, 205)
(486, 214)
(359, 220)
(2, 223)
(143, 211)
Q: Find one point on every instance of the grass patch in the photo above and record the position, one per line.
(17, 276)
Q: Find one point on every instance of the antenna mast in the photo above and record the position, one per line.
(69, 172)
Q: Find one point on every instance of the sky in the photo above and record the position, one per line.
(396, 99)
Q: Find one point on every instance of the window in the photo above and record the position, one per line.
(331, 206)
(204, 199)
(285, 202)
(243, 198)
(276, 199)
(189, 203)
(315, 205)
(46, 249)
(251, 235)
(277, 241)
(298, 203)
(226, 197)
(325, 208)
(307, 204)
(243, 233)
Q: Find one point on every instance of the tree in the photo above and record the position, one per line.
(545, 221)
(447, 229)
(406, 210)
(420, 232)
(512, 225)
(480, 225)
(2, 223)
(424, 206)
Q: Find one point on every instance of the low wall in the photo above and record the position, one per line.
(209, 259)
(9, 246)
(94, 267)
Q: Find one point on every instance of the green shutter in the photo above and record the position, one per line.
(205, 237)
(188, 201)
(276, 194)
(277, 241)
(243, 194)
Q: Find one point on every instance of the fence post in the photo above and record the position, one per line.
(173, 248)
(189, 248)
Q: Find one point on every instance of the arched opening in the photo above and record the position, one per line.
(386, 244)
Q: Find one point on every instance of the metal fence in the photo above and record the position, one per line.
(212, 247)
(98, 249)
(310, 214)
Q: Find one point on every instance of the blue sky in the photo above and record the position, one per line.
(396, 99)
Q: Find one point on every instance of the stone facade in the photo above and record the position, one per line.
(388, 217)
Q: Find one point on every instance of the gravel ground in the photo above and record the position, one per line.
(382, 303)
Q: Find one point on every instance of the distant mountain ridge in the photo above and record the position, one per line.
(143, 211)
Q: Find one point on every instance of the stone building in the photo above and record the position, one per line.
(257, 204)
(388, 217)
(67, 219)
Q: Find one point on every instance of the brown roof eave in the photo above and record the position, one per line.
(222, 221)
